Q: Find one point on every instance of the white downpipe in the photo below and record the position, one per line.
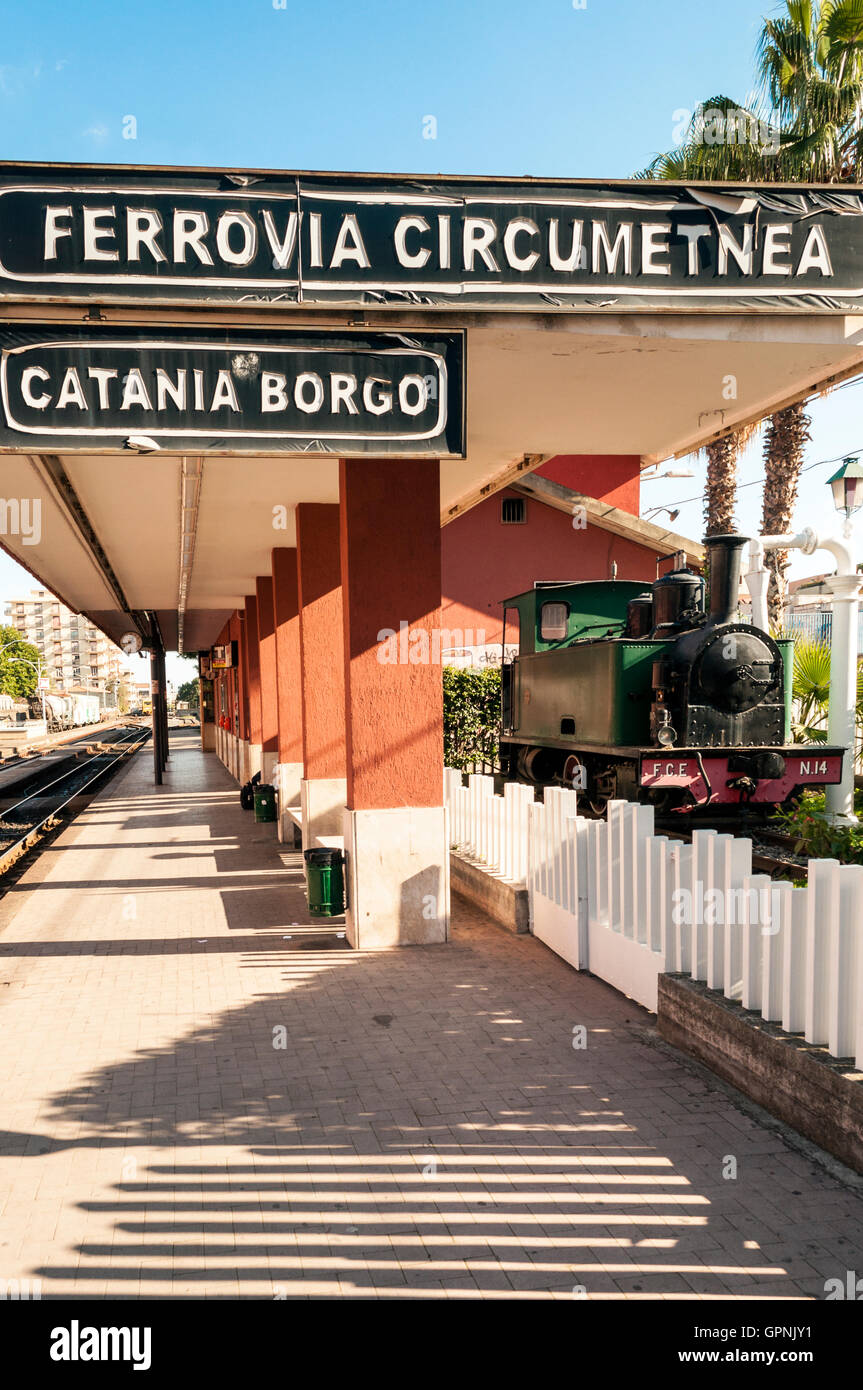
(845, 589)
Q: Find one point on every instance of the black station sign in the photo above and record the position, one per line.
(168, 236)
(294, 391)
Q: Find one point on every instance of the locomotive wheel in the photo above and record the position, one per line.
(575, 774)
(602, 790)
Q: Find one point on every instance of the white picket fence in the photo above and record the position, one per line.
(491, 829)
(611, 897)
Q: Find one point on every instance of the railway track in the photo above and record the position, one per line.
(773, 853)
(33, 815)
(62, 744)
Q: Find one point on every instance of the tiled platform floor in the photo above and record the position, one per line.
(427, 1129)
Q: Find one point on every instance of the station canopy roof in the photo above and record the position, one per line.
(187, 353)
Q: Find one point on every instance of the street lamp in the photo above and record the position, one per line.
(847, 485)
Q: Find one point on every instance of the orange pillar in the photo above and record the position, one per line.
(395, 837)
(252, 671)
(236, 689)
(267, 662)
(286, 613)
(322, 681)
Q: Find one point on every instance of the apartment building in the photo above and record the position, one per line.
(76, 655)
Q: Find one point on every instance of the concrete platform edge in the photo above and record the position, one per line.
(507, 903)
(815, 1095)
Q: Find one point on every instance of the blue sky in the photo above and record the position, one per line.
(516, 89)
(540, 89)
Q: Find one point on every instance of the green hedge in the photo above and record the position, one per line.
(471, 716)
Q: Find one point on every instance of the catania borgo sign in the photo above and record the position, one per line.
(290, 391)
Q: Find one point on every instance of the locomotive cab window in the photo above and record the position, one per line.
(553, 625)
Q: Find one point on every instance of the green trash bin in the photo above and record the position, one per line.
(265, 802)
(325, 880)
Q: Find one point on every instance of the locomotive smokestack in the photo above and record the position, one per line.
(724, 561)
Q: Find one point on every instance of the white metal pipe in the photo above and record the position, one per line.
(845, 588)
(758, 576)
(841, 718)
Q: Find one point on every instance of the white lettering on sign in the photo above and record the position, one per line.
(654, 243)
(143, 227)
(245, 254)
(776, 239)
(190, 228)
(28, 376)
(671, 770)
(415, 259)
(577, 258)
(349, 244)
(478, 235)
(109, 236)
(94, 232)
(517, 227)
(602, 247)
(140, 237)
(814, 767)
(282, 249)
(103, 389)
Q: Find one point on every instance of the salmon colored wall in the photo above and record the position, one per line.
(485, 561)
(253, 668)
(321, 659)
(267, 659)
(287, 620)
(391, 573)
(614, 478)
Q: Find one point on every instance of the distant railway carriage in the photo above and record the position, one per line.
(640, 692)
(73, 711)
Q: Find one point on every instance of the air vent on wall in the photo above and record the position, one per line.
(513, 511)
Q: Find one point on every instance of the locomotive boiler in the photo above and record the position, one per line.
(650, 693)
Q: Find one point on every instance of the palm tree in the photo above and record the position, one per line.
(785, 439)
(721, 489)
(806, 125)
(720, 493)
(811, 69)
(811, 690)
(712, 147)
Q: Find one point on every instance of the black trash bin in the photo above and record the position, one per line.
(247, 793)
(326, 883)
